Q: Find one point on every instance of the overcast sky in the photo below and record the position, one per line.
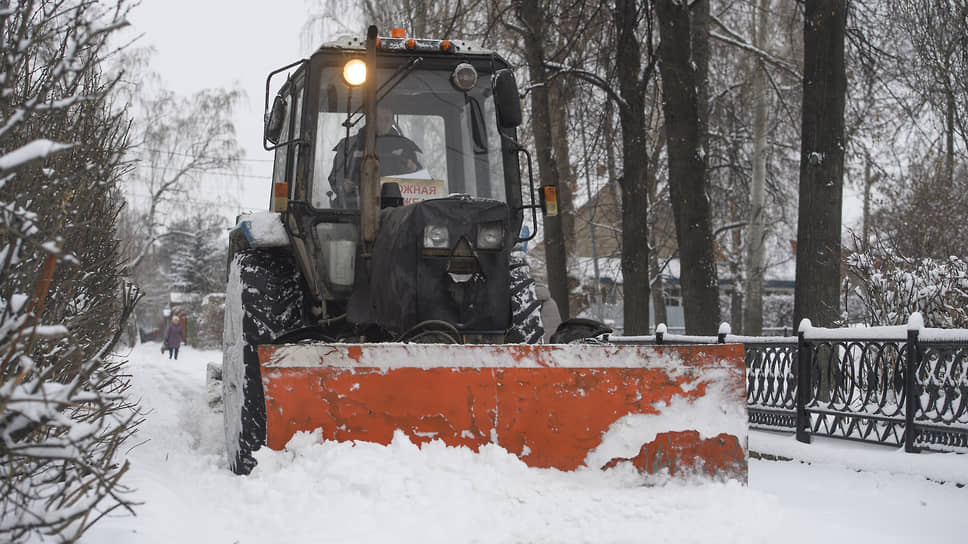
(225, 43)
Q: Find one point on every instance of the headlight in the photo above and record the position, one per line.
(464, 76)
(436, 237)
(354, 72)
(490, 235)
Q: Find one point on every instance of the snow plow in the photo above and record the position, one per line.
(381, 293)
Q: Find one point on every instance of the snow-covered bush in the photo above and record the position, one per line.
(893, 286)
(63, 304)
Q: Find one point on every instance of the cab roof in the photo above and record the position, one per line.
(408, 44)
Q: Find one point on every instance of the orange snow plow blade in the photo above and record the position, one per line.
(675, 408)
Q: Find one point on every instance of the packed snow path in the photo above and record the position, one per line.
(331, 492)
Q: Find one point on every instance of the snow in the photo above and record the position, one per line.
(37, 149)
(264, 229)
(395, 355)
(341, 492)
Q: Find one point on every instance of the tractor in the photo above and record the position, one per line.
(383, 290)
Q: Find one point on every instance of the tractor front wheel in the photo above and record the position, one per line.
(264, 299)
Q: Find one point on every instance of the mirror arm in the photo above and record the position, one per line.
(265, 144)
(297, 141)
(533, 207)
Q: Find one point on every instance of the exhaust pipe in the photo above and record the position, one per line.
(370, 174)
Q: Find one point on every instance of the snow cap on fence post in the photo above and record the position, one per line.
(724, 329)
(804, 325)
(660, 331)
(915, 322)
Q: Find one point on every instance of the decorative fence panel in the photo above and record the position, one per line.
(854, 389)
(870, 385)
(941, 372)
(771, 383)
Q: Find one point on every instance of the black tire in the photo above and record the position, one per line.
(578, 330)
(526, 326)
(265, 298)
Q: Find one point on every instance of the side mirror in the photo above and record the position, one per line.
(275, 119)
(507, 99)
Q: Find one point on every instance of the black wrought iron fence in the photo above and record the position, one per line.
(865, 384)
(941, 374)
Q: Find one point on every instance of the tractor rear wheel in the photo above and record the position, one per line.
(264, 299)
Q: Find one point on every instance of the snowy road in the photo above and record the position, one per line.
(328, 492)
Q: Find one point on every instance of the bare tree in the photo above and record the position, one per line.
(531, 15)
(177, 142)
(938, 33)
(756, 242)
(817, 291)
(63, 304)
(682, 81)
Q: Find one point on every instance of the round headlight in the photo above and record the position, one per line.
(354, 72)
(436, 237)
(464, 76)
(490, 235)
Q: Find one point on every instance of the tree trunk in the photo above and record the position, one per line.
(661, 315)
(635, 162)
(817, 291)
(532, 17)
(756, 239)
(687, 169)
(558, 100)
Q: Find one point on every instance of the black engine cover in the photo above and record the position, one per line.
(401, 285)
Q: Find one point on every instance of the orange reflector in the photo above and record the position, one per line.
(550, 200)
(411, 43)
(280, 196)
(398, 33)
(445, 45)
(681, 408)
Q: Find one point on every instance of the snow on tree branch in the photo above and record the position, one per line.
(35, 150)
(64, 408)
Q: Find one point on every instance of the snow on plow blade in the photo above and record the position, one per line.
(680, 409)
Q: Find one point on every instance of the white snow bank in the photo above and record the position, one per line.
(343, 492)
(940, 467)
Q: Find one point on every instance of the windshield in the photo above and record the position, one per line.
(432, 139)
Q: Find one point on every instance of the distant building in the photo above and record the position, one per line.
(595, 279)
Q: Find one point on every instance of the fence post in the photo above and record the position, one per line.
(911, 401)
(803, 388)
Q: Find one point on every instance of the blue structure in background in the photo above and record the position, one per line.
(525, 232)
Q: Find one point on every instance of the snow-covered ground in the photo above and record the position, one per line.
(331, 492)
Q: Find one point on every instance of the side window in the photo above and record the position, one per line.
(329, 132)
(282, 153)
(296, 133)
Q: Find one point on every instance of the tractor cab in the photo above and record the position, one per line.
(449, 199)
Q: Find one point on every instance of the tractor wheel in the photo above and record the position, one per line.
(264, 299)
(526, 326)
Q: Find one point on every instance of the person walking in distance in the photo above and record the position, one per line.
(174, 336)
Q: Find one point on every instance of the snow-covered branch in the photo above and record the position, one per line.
(737, 40)
(588, 77)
